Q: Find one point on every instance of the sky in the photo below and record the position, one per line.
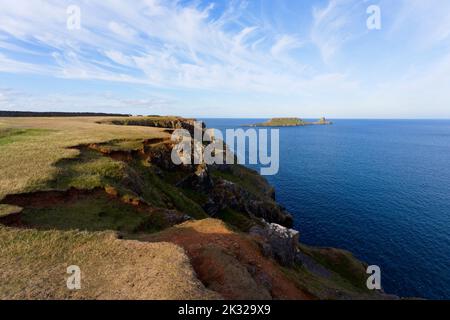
(253, 59)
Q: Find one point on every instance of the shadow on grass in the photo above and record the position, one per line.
(90, 210)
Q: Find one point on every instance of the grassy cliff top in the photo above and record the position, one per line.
(37, 154)
(31, 146)
(150, 121)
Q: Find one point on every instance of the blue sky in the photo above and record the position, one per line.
(256, 58)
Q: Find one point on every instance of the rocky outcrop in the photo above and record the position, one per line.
(221, 193)
(290, 122)
(160, 155)
(323, 121)
(278, 242)
(227, 194)
(199, 179)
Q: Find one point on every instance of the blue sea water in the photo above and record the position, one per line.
(378, 188)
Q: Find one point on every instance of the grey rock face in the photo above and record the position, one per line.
(279, 242)
(228, 194)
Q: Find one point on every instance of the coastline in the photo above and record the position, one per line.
(226, 218)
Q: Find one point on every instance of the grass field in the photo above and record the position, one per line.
(30, 147)
(33, 266)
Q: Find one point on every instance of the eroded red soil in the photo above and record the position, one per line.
(231, 263)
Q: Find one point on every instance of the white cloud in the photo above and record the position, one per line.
(13, 66)
(284, 44)
(337, 23)
(122, 30)
(119, 58)
(162, 43)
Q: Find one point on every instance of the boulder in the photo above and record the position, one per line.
(278, 241)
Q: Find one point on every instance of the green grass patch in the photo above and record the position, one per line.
(123, 145)
(175, 176)
(163, 194)
(341, 262)
(10, 135)
(335, 287)
(137, 178)
(89, 170)
(246, 178)
(236, 219)
(160, 122)
(91, 214)
(198, 197)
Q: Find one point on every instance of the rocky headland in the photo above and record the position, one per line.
(290, 122)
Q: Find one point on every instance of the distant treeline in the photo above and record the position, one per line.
(58, 114)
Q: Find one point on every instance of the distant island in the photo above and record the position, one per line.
(290, 122)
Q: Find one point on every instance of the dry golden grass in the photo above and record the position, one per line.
(6, 209)
(33, 266)
(26, 162)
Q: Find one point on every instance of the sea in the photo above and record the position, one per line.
(378, 188)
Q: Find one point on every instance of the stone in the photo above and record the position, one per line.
(278, 241)
(228, 194)
(284, 243)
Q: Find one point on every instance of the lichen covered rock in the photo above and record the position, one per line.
(279, 242)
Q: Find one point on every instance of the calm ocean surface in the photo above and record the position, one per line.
(379, 188)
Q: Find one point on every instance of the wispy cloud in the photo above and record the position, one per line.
(153, 42)
(284, 44)
(426, 22)
(14, 66)
(337, 23)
